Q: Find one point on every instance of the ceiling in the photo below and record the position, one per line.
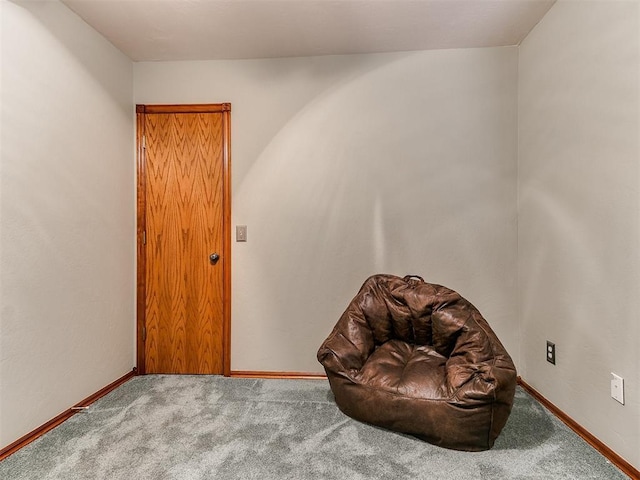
(160, 30)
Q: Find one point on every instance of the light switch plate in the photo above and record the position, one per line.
(241, 233)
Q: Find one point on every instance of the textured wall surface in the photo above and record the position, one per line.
(579, 222)
(67, 256)
(347, 166)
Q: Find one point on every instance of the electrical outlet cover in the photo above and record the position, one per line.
(551, 352)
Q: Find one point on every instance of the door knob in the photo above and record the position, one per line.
(214, 257)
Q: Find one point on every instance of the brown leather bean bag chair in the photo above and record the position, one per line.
(418, 358)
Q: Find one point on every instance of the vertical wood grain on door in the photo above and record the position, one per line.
(184, 157)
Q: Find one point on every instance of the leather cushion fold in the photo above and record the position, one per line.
(418, 358)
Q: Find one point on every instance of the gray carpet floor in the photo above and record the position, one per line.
(202, 427)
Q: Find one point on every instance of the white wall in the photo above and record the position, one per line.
(346, 166)
(67, 215)
(579, 215)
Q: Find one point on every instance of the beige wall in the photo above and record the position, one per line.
(579, 222)
(346, 166)
(67, 215)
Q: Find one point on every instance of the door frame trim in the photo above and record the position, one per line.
(141, 290)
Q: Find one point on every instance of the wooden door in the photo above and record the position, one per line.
(184, 250)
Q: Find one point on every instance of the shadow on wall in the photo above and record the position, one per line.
(569, 256)
(404, 169)
(88, 55)
(63, 174)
